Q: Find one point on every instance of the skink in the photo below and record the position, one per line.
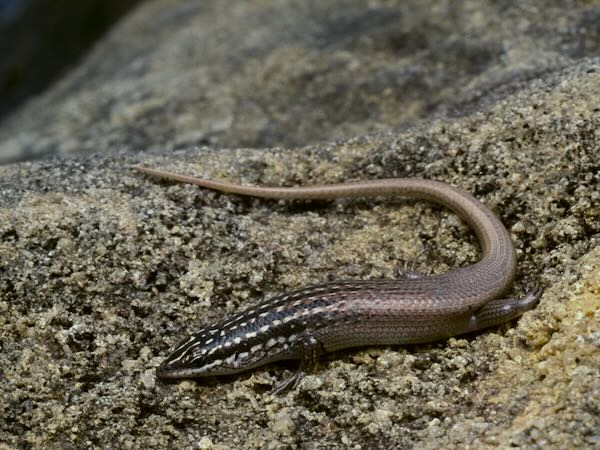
(304, 323)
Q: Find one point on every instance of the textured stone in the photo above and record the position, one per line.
(102, 270)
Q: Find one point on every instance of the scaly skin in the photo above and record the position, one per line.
(333, 316)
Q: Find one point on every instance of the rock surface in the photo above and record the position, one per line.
(103, 270)
(40, 39)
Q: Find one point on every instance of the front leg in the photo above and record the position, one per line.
(310, 351)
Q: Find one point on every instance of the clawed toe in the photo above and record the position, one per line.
(533, 296)
(409, 272)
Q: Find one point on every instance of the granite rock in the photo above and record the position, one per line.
(103, 270)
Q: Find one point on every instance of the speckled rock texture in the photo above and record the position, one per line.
(103, 270)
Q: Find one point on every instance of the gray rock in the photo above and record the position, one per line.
(102, 270)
